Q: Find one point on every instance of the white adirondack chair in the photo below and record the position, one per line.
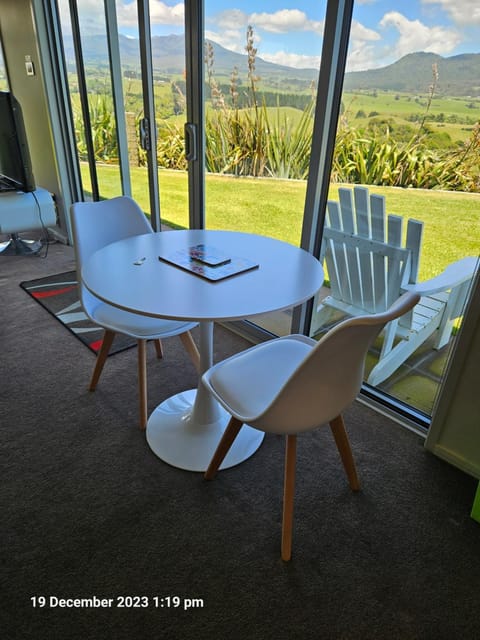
(369, 269)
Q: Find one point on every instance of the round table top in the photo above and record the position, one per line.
(129, 274)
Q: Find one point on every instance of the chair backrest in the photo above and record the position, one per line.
(96, 224)
(362, 246)
(329, 378)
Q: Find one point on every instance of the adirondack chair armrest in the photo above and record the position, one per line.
(455, 274)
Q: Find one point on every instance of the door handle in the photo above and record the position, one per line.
(190, 141)
(144, 131)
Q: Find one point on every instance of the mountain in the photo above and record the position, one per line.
(226, 60)
(457, 75)
(168, 54)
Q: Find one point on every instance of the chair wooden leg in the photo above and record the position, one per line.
(288, 495)
(142, 382)
(191, 349)
(158, 348)
(102, 355)
(224, 445)
(343, 445)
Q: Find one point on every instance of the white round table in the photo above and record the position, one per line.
(185, 429)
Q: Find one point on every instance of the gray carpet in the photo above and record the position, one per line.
(88, 510)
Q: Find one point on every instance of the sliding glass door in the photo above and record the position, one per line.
(244, 113)
(3, 71)
(409, 131)
(108, 54)
(261, 76)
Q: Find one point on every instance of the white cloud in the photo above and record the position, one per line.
(360, 33)
(92, 15)
(413, 35)
(416, 36)
(234, 40)
(230, 32)
(462, 12)
(362, 53)
(361, 57)
(284, 21)
(231, 19)
(231, 39)
(160, 13)
(293, 60)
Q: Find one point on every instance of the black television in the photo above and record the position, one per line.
(15, 165)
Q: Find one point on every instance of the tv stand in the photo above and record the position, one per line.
(25, 211)
(17, 246)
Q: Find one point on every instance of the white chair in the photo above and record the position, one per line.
(94, 225)
(369, 269)
(293, 384)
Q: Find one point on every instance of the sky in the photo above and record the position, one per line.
(290, 33)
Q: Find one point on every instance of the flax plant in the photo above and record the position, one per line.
(248, 142)
(103, 129)
(288, 148)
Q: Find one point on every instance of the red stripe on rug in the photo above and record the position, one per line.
(53, 292)
(96, 344)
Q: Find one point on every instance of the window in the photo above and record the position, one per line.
(409, 131)
(271, 136)
(3, 71)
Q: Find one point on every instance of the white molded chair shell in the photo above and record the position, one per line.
(294, 384)
(94, 225)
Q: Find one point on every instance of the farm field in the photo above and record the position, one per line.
(277, 209)
(362, 107)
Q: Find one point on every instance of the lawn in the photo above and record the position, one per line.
(275, 208)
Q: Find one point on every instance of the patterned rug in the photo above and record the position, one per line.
(58, 295)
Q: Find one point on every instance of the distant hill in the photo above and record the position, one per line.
(457, 75)
(168, 55)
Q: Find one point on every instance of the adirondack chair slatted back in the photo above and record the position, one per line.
(370, 261)
(366, 262)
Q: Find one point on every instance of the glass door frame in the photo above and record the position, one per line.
(336, 38)
(149, 121)
(195, 125)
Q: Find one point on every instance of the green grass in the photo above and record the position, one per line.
(451, 222)
(403, 104)
(275, 208)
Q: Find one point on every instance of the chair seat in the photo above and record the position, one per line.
(248, 382)
(136, 325)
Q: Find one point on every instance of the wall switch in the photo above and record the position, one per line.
(29, 68)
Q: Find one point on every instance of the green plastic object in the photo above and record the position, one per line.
(476, 505)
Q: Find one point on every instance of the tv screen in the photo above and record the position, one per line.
(15, 165)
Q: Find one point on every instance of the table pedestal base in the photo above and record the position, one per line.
(176, 438)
